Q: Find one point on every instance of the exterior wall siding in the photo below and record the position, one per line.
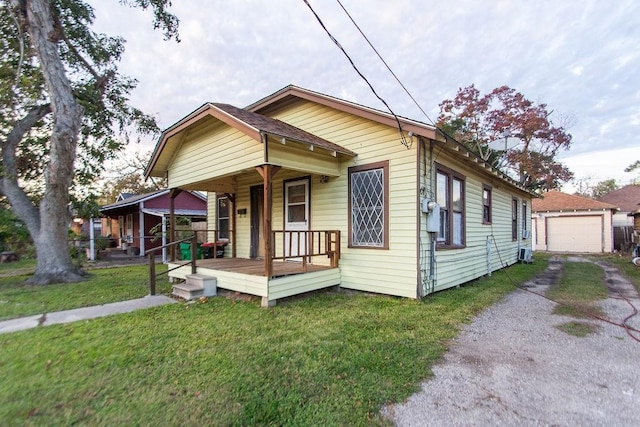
(488, 247)
(391, 271)
(211, 151)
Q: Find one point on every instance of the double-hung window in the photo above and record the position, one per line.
(450, 197)
(369, 206)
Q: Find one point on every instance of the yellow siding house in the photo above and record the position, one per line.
(309, 191)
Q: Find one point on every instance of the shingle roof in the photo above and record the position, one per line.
(132, 199)
(626, 198)
(558, 201)
(277, 127)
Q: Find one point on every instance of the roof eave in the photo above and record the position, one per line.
(416, 127)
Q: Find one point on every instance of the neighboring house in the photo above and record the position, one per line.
(132, 217)
(635, 235)
(566, 223)
(325, 192)
(626, 199)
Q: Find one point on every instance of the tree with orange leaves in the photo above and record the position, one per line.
(476, 120)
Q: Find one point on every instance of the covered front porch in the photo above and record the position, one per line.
(247, 276)
(267, 172)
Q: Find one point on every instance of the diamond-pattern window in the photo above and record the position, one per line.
(368, 227)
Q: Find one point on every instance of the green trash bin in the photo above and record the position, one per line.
(185, 251)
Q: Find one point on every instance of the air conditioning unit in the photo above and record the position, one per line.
(525, 255)
(526, 234)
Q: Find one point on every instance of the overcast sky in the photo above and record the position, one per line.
(580, 57)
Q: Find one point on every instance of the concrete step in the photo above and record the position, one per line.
(188, 290)
(207, 283)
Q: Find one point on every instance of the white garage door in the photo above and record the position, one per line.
(574, 234)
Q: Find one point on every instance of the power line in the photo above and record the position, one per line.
(337, 43)
(385, 63)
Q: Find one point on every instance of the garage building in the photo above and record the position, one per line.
(566, 223)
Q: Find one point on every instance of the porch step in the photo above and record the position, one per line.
(188, 291)
(196, 285)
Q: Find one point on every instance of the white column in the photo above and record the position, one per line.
(92, 246)
(164, 239)
(141, 231)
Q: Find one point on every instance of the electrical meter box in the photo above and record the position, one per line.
(433, 219)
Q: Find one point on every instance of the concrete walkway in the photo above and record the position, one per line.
(83, 313)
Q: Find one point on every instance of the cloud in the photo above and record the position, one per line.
(579, 57)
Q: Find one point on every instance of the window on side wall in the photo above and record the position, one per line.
(450, 197)
(369, 206)
(223, 217)
(514, 219)
(486, 204)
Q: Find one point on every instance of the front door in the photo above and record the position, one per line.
(296, 211)
(257, 222)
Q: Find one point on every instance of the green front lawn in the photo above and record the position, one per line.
(103, 286)
(325, 359)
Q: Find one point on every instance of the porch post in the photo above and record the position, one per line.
(267, 172)
(141, 227)
(164, 239)
(232, 214)
(172, 221)
(92, 241)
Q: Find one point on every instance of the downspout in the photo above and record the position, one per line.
(489, 255)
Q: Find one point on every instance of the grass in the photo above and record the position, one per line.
(325, 359)
(627, 269)
(581, 286)
(18, 299)
(23, 266)
(578, 329)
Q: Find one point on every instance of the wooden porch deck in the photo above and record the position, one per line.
(247, 276)
(255, 267)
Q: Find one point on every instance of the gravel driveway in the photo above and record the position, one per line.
(512, 366)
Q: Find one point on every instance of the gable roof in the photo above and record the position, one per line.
(626, 198)
(292, 93)
(255, 122)
(558, 201)
(250, 123)
(281, 129)
(123, 196)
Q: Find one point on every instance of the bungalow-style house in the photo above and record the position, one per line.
(626, 199)
(326, 192)
(566, 223)
(132, 217)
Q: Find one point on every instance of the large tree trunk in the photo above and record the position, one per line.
(50, 238)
